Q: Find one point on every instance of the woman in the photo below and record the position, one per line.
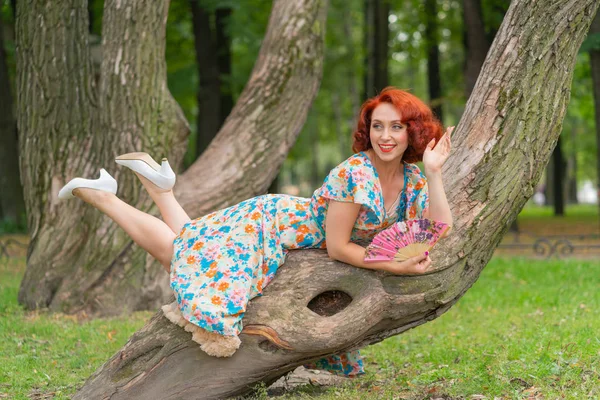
(219, 262)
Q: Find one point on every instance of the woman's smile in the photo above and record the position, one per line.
(386, 148)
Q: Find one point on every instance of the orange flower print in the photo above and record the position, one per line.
(223, 286)
(191, 260)
(281, 227)
(412, 212)
(300, 207)
(303, 229)
(194, 306)
(249, 229)
(420, 184)
(259, 285)
(299, 238)
(255, 215)
(342, 173)
(216, 300)
(197, 246)
(211, 273)
(355, 162)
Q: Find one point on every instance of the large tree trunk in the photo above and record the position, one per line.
(486, 193)
(12, 205)
(433, 58)
(78, 259)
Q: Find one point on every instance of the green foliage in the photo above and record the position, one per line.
(591, 42)
(579, 128)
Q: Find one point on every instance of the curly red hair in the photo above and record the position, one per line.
(422, 125)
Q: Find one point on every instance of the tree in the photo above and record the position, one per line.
(12, 205)
(510, 126)
(78, 260)
(376, 33)
(433, 58)
(476, 42)
(213, 58)
(595, 67)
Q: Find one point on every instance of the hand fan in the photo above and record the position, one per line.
(405, 239)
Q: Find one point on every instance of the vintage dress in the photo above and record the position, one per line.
(224, 259)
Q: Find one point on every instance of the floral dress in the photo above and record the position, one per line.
(224, 259)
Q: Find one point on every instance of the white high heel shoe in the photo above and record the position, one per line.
(106, 183)
(160, 175)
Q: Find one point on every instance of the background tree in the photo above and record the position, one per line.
(433, 57)
(213, 59)
(476, 42)
(492, 172)
(12, 205)
(376, 36)
(595, 69)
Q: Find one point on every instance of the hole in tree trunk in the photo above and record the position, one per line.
(329, 303)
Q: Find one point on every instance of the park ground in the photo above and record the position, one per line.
(527, 329)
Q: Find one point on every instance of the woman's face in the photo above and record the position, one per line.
(388, 134)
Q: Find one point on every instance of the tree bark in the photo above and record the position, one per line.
(595, 68)
(433, 58)
(507, 123)
(476, 43)
(79, 260)
(12, 205)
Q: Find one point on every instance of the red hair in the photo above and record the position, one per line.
(421, 124)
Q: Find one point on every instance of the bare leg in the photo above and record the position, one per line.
(149, 232)
(171, 211)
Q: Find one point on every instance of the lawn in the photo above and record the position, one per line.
(526, 329)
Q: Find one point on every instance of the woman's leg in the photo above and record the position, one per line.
(149, 232)
(172, 212)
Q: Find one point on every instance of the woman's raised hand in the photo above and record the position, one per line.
(434, 158)
(415, 265)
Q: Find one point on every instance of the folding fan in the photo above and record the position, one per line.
(405, 239)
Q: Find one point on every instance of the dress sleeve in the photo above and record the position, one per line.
(350, 184)
(354, 182)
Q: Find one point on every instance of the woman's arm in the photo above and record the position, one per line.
(439, 209)
(338, 229)
(433, 160)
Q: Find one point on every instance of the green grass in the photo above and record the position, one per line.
(51, 353)
(526, 328)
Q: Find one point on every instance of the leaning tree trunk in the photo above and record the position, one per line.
(78, 259)
(510, 126)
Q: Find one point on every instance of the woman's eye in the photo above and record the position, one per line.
(376, 126)
(397, 127)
